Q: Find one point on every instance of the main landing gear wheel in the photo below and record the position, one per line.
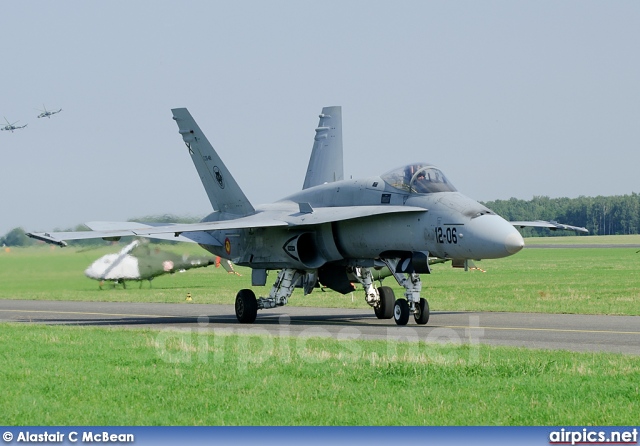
(385, 309)
(401, 312)
(422, 312)
(246, 306)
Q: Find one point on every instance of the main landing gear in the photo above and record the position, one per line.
(247, 305)
(383, 300)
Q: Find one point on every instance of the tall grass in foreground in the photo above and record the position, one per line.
(54, 375)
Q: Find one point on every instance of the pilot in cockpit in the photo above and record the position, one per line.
(410, 171)
(418, 178)
(421, 184)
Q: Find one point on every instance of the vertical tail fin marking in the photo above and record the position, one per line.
(325, 164)
(224, 193)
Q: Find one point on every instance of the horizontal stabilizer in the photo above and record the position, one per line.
(553, 225)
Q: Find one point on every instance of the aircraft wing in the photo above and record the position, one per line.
(305, 217)
(192, 232)
(202, 238)
(198, 232)
(553, 225)
(309, 216)
(58, 238)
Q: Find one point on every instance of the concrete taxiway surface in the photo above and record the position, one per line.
(620, 334)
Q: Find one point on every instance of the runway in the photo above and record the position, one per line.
(585, 333)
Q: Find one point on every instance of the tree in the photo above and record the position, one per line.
(16, 237)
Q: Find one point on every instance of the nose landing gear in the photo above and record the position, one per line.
(413, 303)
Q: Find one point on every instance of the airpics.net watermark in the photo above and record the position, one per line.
(256, 345)
(593, 436)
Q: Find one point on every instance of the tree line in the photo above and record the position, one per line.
(612, 215)
(18, 237)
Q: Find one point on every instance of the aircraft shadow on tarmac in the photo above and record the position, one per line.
(354, 319)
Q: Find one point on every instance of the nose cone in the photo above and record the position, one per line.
(514, 242)
(493, 237)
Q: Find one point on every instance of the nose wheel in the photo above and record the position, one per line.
(401, 312)
(412, 303)
(421, 314)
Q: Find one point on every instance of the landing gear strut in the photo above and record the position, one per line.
(247, 305)
(413, 303)
(381, 299)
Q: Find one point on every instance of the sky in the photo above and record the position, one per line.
(509, 98)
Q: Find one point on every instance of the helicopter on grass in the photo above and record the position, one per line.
(138, 261)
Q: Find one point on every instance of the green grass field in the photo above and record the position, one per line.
(631, 239)
(63, 375)
(85, 375)
(548, 280)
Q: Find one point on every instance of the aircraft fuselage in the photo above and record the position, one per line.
(452, 226)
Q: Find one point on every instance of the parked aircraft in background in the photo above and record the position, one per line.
(332, 230)
(11, 127)
(140, 261)
(47, 114)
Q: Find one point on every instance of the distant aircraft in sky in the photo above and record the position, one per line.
(12, 127)
(333, 230)
(46, 113)
(139, 261)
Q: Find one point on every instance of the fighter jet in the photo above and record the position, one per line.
(12, 127)
(47, 114)
(139, 261)
(333, 229)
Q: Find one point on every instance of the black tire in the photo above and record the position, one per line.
(246, 306)
(401, 312)
(387, 299)
(422, 312)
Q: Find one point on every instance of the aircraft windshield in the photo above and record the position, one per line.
(419, 178)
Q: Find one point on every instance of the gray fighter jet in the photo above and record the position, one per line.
(332, 230)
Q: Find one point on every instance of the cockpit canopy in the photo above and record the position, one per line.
(420, 178)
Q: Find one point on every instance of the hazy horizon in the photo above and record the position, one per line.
(509, 99)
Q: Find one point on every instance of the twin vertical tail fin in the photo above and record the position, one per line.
(325, 164)
(224, 193)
